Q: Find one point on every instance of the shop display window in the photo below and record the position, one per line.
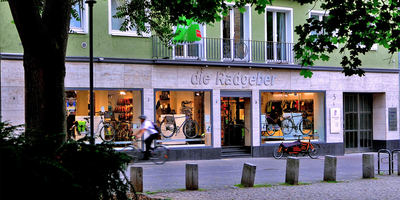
(290, 115)
(122, 110)
(184, 117)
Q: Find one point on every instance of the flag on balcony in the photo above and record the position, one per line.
(189, 33)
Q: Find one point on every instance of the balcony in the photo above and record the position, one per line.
(219, 49)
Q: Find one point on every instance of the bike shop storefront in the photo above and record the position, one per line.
(235, 122)
(304, 109)
(184, 117)
(122, 109)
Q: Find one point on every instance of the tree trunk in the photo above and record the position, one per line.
(44, 36)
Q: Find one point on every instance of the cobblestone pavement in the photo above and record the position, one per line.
(380, 187)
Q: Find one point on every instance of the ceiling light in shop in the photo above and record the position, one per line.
(122, 93)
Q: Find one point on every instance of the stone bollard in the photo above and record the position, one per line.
(330, 168)
(292, 171)
(192, 177)
(368, 166)
(248, 175)
(137, 178)
(398, 163)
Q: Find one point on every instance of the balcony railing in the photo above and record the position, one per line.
(219, 49)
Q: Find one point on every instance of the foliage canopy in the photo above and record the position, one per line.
(352, 27)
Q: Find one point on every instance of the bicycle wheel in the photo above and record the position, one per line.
(270, 130)
(191, 129)
(107, 133)
(287, 126)
(167, 129)
(159, 155)
(135, 154)
(306, 127)
(314, 150)
(278, 153)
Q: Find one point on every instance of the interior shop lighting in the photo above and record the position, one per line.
(122, 93)
(286, 94)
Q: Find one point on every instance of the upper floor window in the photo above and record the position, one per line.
(236, 34)
(320, 16)
(78, 23)
(115, 23)
(279, 34)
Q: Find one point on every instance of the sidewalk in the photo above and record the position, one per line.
(381, 187)
(218, 177)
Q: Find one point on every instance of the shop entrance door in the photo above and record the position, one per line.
(235, 121)
(358, 122)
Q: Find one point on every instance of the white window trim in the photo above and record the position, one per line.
(289, 29)
(321, 14)
(118, 32)
(289, 22)
(84, 21)
(247, 31)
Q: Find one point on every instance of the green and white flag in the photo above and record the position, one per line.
(189, 33)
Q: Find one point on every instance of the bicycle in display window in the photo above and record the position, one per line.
(106, 132)
(304, 125)
(270, 126)
(168, 127)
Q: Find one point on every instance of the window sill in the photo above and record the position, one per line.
(128, 34)
(78, 31)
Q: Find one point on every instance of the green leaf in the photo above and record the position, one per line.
(306, 73)
(324, 57)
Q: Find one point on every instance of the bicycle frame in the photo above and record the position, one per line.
(183, 123)
(298, 147)
(291, 118)
(108, 129)
(303, 125)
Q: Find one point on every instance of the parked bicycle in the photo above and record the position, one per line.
(168, 127)
(298, 147)
(271, 126)
(158, 154)
(304, 125)
(106, 132)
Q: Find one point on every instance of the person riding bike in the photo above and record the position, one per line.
(152, 134)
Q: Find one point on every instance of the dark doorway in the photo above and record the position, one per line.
(358, 134)
(234, 114)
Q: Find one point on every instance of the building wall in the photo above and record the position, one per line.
(384, 86)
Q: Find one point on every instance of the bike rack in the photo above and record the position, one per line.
(394, 150)
(390, 160)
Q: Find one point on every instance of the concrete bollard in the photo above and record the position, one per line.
(330, 168)
(192, 176)
(292, 171)
(248, 175)
(137, 178)
(398, 163)
(368, 166)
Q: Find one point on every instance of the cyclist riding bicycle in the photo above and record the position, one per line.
(152, 134)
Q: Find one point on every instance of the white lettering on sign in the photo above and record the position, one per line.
(199, 78)
(223, 78)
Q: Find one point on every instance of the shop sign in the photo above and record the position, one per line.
(222, 78)
(392, 119)
(188, 32)
(335, 120)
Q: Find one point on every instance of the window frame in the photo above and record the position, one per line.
(288, 35)
(113, 32)
(247, 32)
(84, 21)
